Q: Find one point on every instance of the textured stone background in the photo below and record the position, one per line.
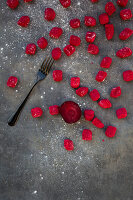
(33, 163)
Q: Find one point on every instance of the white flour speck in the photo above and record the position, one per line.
(41, 176)
(35, 192)
(80, 157)
(1, 50)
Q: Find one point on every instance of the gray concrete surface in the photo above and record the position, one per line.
(33, 162)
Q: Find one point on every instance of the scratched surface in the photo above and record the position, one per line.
(33, 162)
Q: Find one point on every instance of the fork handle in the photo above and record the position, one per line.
(13, 119)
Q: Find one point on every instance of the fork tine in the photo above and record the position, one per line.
(52, 62)
(44, 64)
(48, 66)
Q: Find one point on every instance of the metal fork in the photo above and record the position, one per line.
(42, 73)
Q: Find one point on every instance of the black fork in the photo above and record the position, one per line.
(42, 73)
